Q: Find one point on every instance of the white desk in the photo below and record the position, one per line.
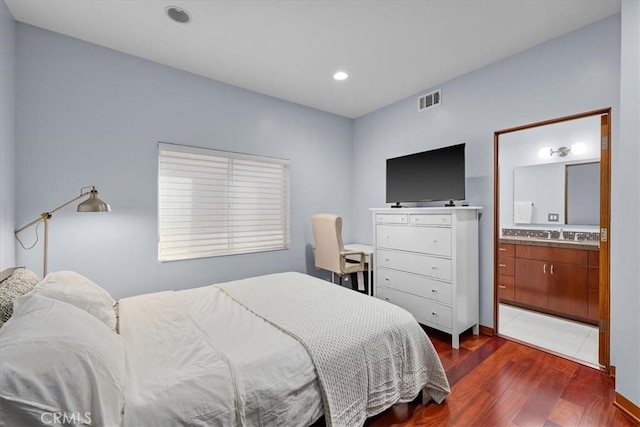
(368, 259)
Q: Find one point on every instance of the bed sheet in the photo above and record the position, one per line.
(196, 357)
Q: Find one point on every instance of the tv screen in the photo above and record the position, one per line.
(433, 175)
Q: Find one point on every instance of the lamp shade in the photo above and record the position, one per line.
(545, 153)
(93, 203)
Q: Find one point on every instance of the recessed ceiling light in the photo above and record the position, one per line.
(178, 14)
(340, 75)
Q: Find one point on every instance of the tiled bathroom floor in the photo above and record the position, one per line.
(573, 339)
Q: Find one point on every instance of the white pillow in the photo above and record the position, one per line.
(73, 288)
(58, 359)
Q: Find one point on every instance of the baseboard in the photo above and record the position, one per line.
(628, 407)
(485, 330)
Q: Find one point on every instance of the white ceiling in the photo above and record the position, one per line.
(291, 49)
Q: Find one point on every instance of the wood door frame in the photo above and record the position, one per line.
(604, 339)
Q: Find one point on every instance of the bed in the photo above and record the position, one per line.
(281, 349)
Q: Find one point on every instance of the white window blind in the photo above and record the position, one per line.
(213, 203)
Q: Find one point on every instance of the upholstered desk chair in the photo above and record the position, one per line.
(329, 250)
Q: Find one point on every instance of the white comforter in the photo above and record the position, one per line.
(199, 357)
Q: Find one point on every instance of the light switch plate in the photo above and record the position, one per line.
(554, 217)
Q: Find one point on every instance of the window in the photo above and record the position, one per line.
(213, 203)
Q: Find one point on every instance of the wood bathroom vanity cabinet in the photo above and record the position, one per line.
(558, 278)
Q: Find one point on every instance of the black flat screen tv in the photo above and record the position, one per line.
(433, 175)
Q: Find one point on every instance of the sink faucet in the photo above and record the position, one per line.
(548, 234)
(575, 236)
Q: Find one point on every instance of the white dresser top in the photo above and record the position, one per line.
(431, 209)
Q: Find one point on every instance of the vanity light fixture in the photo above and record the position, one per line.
(340, 75)
(545, 153)
(577, 148)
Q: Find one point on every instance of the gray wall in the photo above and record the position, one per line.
(88, 115)
(7, 136)
(570, 74)
(625, 206)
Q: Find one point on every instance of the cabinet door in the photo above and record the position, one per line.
(531, 282)
(568, 289)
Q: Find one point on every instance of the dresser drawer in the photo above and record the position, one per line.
(391, 219)
(425, 311)
(437, 268)
(420, 219)
(428, 240)
(413, 284)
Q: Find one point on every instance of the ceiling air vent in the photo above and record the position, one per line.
(432, 99)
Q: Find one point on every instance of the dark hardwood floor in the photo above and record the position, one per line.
(496, 382)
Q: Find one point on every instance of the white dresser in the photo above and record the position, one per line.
(427, 263)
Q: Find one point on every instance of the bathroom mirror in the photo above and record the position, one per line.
(549, 175)
(558, 193)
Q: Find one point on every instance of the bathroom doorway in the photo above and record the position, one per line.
(551, 220)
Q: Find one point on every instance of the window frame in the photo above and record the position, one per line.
(240, 171)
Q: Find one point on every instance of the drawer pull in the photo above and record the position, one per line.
(433, 313)
(434, 268)
(551, 268)
(434, 291)
(387, 279)
(386, 299)
(502, 286)
(544, 269)
(502, 265)
(501, 249)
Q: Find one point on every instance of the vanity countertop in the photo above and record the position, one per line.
(555, 243)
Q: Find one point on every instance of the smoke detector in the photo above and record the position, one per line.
(177, 14)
